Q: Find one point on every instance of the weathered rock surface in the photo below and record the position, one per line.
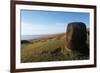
(76, 36)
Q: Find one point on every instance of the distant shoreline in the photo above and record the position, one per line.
(32, 37)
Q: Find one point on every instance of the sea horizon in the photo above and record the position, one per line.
(38, 36)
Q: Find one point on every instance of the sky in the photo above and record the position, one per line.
(49, 22)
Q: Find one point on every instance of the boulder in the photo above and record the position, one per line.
(76, 36)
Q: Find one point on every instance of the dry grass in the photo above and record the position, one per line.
(49, 49)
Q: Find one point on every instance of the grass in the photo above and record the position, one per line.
(49, 49)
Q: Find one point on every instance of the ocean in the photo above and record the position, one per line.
(31, 37)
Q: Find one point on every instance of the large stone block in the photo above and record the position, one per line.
(76, 36)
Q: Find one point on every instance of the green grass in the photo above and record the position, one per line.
(44, 50)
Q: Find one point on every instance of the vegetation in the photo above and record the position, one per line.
(48, 49)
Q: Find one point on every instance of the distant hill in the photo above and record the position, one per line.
(24, 41)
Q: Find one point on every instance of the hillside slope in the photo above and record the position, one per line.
(47, 49)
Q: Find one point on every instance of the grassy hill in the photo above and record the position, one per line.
(48, 49)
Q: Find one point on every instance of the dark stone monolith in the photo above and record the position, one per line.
(76, 36)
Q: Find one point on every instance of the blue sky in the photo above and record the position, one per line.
(49, 22)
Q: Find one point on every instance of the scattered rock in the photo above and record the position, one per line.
(56, 51)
